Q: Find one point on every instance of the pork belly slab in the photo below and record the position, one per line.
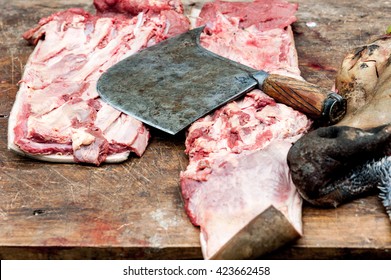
(58, 115)
(238, 155)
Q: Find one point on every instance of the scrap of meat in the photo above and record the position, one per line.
(263, 14)
(237, 155)
(57, 115)
(134, 7)
(171, 10)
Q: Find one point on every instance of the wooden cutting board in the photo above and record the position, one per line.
(134, 210)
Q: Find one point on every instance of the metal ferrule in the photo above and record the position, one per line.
(334, 108)
(260, 77)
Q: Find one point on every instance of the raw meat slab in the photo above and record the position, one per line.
(238, 168)
(58, 115)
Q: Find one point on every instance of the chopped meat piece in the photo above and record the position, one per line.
(134, 7)
(263, 14)
(89, 146)
(170, 10)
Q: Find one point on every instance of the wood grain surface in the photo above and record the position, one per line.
(134, 210)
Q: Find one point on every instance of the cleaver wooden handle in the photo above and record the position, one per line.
(320, 104)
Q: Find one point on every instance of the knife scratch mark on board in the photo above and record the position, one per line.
(123, 225)
(3, 214)
(70, 185)
(108, 198)
(145, 178)
(7, 90)
(11, 205)
(72, 193)
(126, 167)
(23, 182)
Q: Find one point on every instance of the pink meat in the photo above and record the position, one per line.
(134, 7)
(240, 187)
(272, 50)
(171, 10)
(57, 104)
(264, 14)
(237, 155)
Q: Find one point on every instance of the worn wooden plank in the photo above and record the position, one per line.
(134, 209)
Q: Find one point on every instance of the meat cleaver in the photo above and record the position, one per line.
(172, 84)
